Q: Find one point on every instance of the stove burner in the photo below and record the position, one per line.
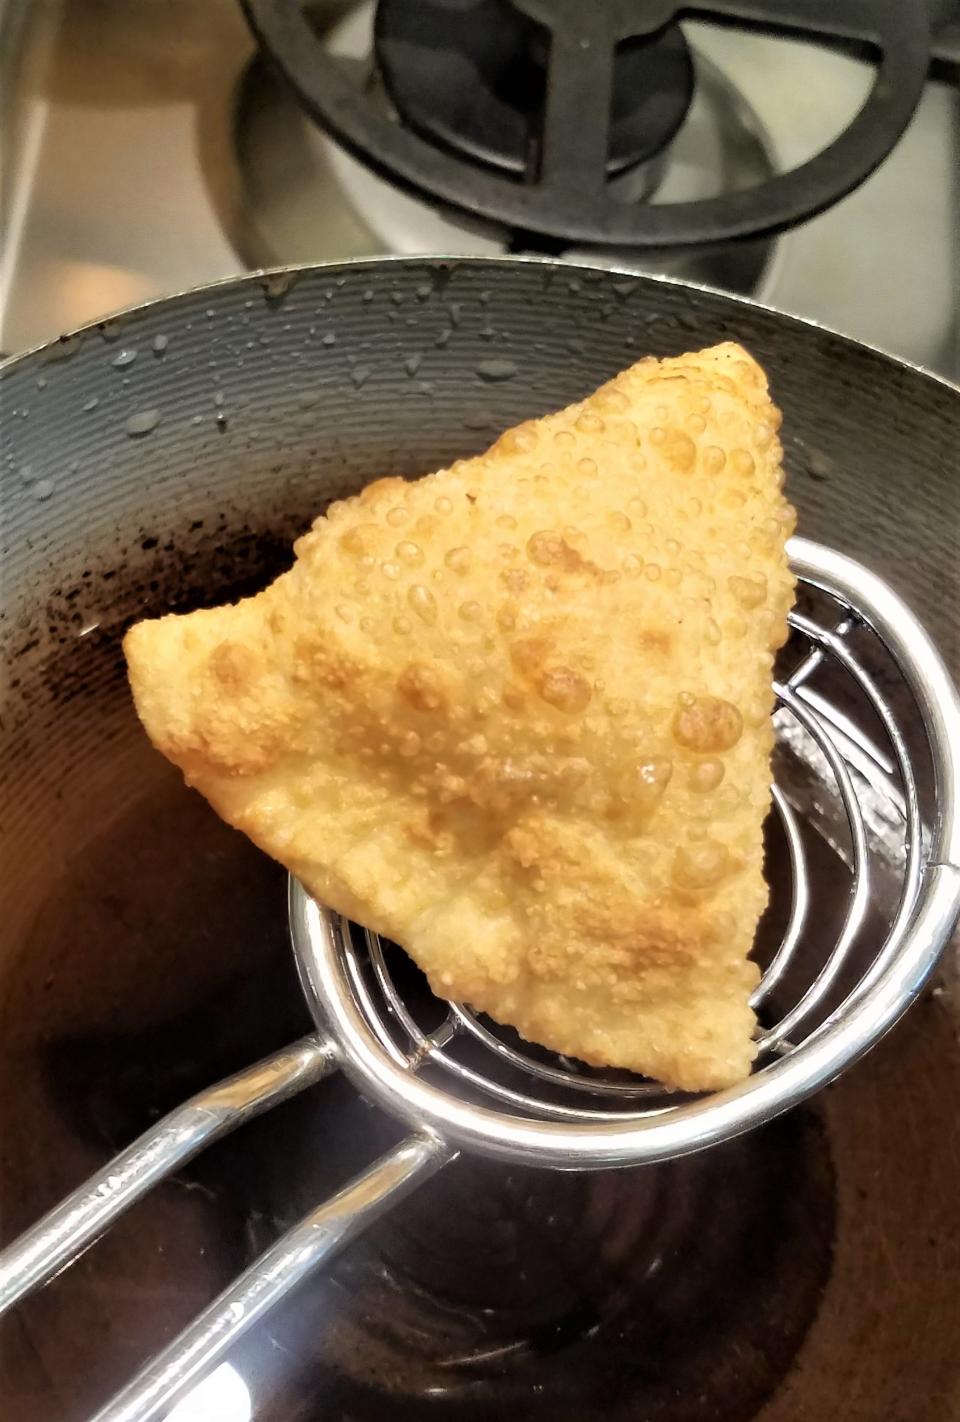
(304, 194)
(472, 76)
(566, 195)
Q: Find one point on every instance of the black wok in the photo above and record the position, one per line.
(166, 459)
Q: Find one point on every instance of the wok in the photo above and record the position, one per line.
(166, 459)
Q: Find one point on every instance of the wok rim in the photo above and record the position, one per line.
(401, 259)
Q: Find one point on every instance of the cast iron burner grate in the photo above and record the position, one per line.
(552, 116)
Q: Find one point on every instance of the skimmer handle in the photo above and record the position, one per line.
(296, 1255)
(70, 1227)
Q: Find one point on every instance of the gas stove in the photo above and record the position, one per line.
(155, 146)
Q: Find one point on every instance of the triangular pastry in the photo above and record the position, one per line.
(516, 715)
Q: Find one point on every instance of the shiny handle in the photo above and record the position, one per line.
(70, 1227)
(295, 1256)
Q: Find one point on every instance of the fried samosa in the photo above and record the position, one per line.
(516, 715)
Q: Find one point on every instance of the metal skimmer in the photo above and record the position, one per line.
(868, 729)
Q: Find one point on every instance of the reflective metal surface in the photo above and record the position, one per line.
(57, 1239)
(190, 139)
(288, 1263)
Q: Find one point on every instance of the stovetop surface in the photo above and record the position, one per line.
(150, 151)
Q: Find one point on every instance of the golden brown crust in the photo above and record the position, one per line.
(516, 715)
